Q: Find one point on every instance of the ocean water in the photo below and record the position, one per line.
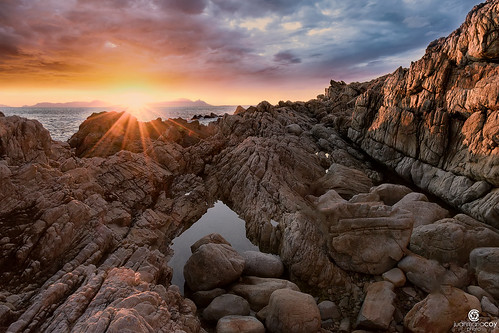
(62, 123)
(218, 219)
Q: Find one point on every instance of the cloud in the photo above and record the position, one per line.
(203, 41)
(286, 57)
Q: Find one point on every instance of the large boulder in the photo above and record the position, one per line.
(452, 239)
(258, 290)
(292, 311)
(262, 264)
(209, 239)
(226, 305)
(213, 266)
(485, 262)
(440, 310)
(366, 238)
(377, 310)
(240, 324)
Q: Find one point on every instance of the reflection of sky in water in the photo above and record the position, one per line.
(218, 219)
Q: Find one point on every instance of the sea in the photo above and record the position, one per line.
(63, 122)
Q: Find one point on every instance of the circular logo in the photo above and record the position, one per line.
(473, 315)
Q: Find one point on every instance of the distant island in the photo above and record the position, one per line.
(92, 104)
(181, 102)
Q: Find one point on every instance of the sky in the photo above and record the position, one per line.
(225, 52)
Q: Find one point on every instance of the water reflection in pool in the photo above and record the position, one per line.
(218, 219)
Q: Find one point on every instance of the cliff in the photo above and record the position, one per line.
(436, 124)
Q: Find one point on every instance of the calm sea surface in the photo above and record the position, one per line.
(62, 123)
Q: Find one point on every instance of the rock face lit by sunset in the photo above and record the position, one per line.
(224, 52)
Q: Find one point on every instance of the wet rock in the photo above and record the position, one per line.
(329, 310)
(262, 264)
(368, 239)
(429, 275)
(226, 305)
(213, 266)
(396, 276)
(209, 239)
(452, 239)
(204, 298)
(377, 310)
(424, 212)
(257, 291)
(292, 311)
(242, 324)
(440, 310)
(485, 262)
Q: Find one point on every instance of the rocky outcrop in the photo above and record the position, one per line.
(436, 123)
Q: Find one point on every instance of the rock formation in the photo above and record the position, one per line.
(85, 227)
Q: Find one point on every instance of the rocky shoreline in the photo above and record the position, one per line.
(86, 225)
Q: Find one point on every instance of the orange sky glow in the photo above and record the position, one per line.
(224, 52)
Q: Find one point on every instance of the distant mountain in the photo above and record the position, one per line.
(92, 104)
(4, 106)
(181, 102)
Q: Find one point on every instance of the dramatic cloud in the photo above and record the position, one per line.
(241, 47)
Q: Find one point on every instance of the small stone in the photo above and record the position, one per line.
(240, 324)
(489, 307)
(204, 298)
(345, 325)
(329, 310)
(395, 276)
(226, 305)
(478, 292)
(377, 309)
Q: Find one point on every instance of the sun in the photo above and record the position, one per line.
(136, 103)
